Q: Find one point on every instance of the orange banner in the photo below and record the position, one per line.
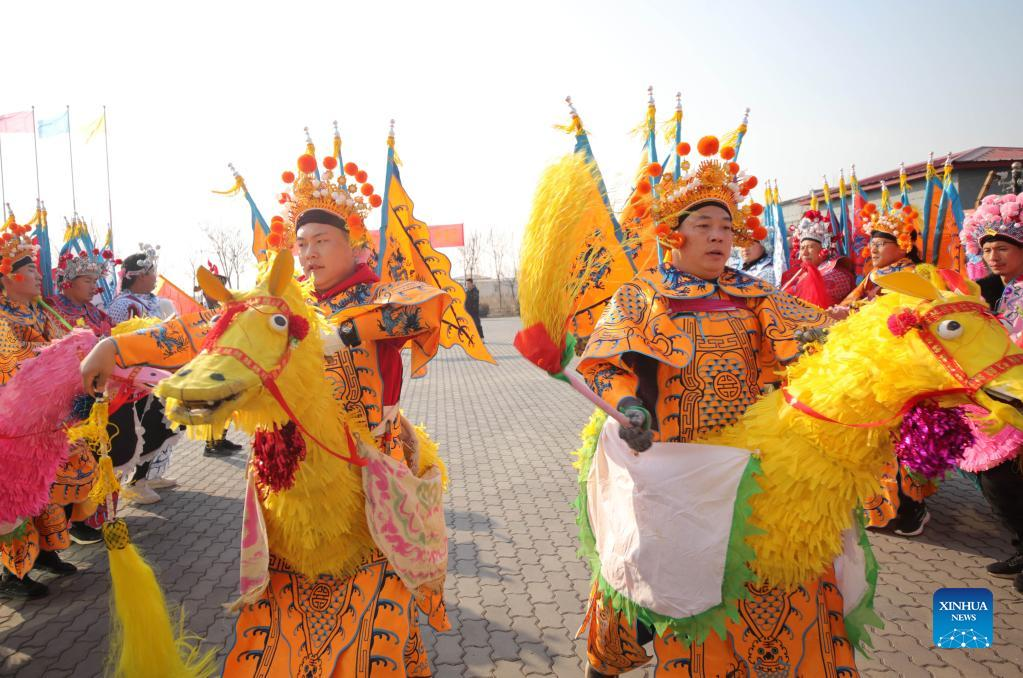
(183, 302)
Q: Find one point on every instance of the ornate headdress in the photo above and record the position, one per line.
(142, 262)
(71, 265)
(901, 223)
(349, 202)
(15, 244)
(813, 226)
(713, 181)
(998, 215)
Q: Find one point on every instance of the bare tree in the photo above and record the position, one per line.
(471, 252)
(498, 244)
(231, 251)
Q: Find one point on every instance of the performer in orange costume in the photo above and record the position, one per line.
(26, 324)
(682, 350)
(365, 623)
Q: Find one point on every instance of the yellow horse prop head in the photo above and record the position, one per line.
(262, 367)
(825, 438)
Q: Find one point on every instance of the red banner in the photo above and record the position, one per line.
(449, 235)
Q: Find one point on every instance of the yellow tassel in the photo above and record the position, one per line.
(106, 481)
(238, 187)
(143, 640)
(93, 431)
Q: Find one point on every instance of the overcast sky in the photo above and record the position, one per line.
(475, 88)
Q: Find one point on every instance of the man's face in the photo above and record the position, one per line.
(82, 289)
(708, 242)
(470, 285)
(1003, 259)
(884, 252)
(752, 252)
(325, 253)
(811, 252)
(23, 283)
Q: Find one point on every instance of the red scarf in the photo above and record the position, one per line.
(362, 274)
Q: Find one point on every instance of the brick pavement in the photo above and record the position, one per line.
(515, 589)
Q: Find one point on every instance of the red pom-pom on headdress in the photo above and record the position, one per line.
(708, 146)
(330, 162)
(727, 153)
(351, 168)
(307, 163)
(288, 177)
(654, 169)
(683, 148)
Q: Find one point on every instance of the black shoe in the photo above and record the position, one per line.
(1018, 582)
(912, 524)
(26, 587)
(230, 445)
(1008, 568)
(215, 450)
(49, 561)
(83, 534)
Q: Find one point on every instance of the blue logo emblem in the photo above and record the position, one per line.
(963, 618)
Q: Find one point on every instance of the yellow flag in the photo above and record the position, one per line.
(409, 255)
(95, 127)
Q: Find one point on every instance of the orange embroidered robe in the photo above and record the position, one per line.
(696, 354)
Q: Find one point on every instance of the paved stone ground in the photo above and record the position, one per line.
(515, 589)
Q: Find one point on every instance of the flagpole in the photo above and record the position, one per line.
(35, 151)
(106, 150)
(71, 159)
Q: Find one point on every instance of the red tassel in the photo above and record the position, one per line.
(276, 456)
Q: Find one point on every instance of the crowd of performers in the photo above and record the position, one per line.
(334, 579)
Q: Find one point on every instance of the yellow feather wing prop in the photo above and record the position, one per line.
(562, 212)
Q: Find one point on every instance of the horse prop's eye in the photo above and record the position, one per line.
(950, 329)
(279, 322)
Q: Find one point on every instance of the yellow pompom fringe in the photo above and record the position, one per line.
(144, 643)
(429, 455)
(134, 325)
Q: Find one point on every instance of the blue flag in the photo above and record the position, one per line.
(54, 126)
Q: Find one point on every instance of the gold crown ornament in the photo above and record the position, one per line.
(15, 244)
(901, 223)
(329, 191)
(716, 179)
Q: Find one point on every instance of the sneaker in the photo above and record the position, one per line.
(912, 525)
(83, 534)
(49, 561)
(162, 483)
(231, 445)
(26, 587)
(142, 493)
(215, 449)
(1008, 568)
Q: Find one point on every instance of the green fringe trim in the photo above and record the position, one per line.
(863, 615)
(736, 574)
(18, 533)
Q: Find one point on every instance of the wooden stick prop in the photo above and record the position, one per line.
(562, 218)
